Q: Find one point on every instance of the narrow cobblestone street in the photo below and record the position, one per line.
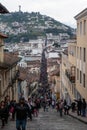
(50, 121)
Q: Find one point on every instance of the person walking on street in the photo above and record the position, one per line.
(3, 113)
(22, 111)
(7, 104)
(44, 105)
(83, 107)
(30, 108)
(61, 106)
(79, 106)
(53, 104)
(73, 106)
(66, 108)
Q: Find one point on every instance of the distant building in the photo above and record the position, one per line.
(53, 69)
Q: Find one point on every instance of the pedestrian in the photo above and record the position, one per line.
(53, 104)
(61, 106)
(73, 106)
(66, 108)
(7, 104)
(30, 108)
(79, 106)
(47, 106)
(3, 113)
(12, 108)
(44, 105)
(35, 107)
(83, 107)
(57, 106)
(22, 111)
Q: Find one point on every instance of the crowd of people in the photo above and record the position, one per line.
(22, 111)
(78, 106)
(26, 110)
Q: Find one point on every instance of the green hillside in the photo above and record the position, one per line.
(22, 26)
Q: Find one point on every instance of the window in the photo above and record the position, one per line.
(72, 89)
(80, 77)
(77, 74)
(80, 28)
(84, 54)
(77, 52)
(84, 28)
(80, 53)
(77, 28)
(84, 80)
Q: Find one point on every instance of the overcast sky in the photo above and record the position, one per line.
(61, 10)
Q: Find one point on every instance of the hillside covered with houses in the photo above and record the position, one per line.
(23, 26)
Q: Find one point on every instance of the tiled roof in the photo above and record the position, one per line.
(33, 64)
(9, 61)
(22, 73)
(3, 35)
(22, 76)
(3, 9)
(28, 76)
(52, 61)
(55, 72)
(81, 14)
(65, 51)
(32, 77)
(4, 66)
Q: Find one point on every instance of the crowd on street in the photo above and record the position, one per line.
(78, 106)
(26, 110)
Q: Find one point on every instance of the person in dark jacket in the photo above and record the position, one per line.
(30, 108)
(7, 104)
(73, 106)
(66, 108)
(21, 111)
(83, 107)
(79, 106)
(3, 113)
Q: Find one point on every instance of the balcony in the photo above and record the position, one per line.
(70, 76)
(72, 79)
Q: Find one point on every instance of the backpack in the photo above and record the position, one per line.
(12, 109)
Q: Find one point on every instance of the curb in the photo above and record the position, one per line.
(85, 122)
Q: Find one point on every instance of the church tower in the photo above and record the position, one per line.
(19, 8)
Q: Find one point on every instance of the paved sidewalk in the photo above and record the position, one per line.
(80, 118)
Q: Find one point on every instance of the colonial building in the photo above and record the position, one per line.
(67, 74)
(8, 76)
(81, 54)
(8, 68)
(74, 63)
